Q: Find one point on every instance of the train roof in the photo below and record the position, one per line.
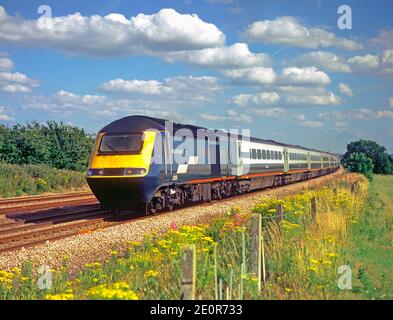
(139, 123)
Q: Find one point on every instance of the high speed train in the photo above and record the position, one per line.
(156, 164)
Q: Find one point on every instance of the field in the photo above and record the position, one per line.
(16, 180)
(302, 253)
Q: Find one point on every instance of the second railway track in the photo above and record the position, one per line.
(38, 203)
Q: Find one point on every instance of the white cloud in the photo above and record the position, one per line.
(367, 61)
(303, 76)
(15, 88)
(4, 116)
(14, 82)
(383, 114)
(289, 31)
(384, 39)
(237, 55)
(301, 90)
(185, 94)
(387, 57)
(341, 125)
(113, 34)
(391, 102)
(345, 89)
(307, 95)
(231, 115)
(358, 114)
(329, 98)
(304, 122)
(6, 64)
(264, 98)
(322, 60)
(16, 77)
(254, 75)
(373, 64)
(275, 113)
(70, 99)
(149, 87)
(181, 87)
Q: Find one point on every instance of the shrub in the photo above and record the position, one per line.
(359, 162)
(372, 150)
(56, 144)
(16, 180)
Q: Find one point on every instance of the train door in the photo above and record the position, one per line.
(167, 154)
(214, 148)
(224, 155)
(286, 160)
(239, 160)
(309, 160)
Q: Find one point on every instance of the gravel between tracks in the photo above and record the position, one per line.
(96, 246)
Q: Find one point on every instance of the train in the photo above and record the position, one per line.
(155, 164)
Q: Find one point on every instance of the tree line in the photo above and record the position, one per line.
(367, 157)
(55, 144)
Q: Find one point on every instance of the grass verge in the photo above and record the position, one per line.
(16, 180)
(370, 245)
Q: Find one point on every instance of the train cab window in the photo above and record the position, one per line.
(264, 154)
(121, 143)
(254, 153)
(259, 154)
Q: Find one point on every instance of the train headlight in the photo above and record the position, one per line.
(134, 171)
(95, 172)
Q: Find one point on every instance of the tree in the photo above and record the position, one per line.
(372, 150)
(359, 162)
(55, 144)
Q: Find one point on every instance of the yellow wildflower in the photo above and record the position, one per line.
(60, 296)
(117, 291)
(150, 274)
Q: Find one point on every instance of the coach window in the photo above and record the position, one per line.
(259, 154)
(264, 154)
(268, 155)
(276, 155)
(254, 153)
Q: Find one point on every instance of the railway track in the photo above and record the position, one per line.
(38, 203)
(39, 229)
(30, 199)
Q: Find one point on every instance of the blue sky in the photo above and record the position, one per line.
(280, 68)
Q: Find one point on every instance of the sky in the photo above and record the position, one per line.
(307, 72)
